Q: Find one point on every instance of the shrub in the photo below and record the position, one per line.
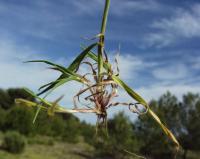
(20, 118)
(14, 142)
(57, 126)
(49, 126)
(2, 118)
(88, 132)
(72, 132)
(120, 139)
(43, 125)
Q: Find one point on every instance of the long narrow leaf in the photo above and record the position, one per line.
(72, 67)
(58, 108)
(165, 129)
(60, 82)
(57, 84)
(59, 67)
(39, 105)
(139, 99)
(75, 64)
(37, 97)
(28, 103)
(100, 61)
(94, 57)
(48, 86)
(132, 93)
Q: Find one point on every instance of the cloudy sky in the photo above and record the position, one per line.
(159, 42)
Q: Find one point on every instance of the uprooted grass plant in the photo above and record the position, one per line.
(100, 84)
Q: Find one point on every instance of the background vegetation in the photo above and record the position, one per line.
(65, 136)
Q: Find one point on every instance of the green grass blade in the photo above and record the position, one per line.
(56, 66)
(34, 95)
(100, 61)
(56, 85)
(132, 93)
(94, 57)
(165, 129)
(105, 17)
(139, 99)
(57, 108)
(47, 62)
(51, 89)
(60, 82)
(38, 104)
(46, 85)
(51, 110)
(75, 64)
(37, 113)
(67, 72)
(50, 86)
(28, 103)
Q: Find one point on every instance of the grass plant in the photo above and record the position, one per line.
(101, 83)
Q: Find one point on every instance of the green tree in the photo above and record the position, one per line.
(87, 131)
(121, 138)
(42, 125)
(190, 117)
(57, 125)
(14, 142)
(181, 117)
(2, 118)
(5, 101)
(153, 142)
(19, 93)
(72, 129)
(20, 118)
(7, 97)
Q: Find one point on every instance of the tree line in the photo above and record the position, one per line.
(143, 136)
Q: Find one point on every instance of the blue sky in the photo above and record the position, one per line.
(159, 41)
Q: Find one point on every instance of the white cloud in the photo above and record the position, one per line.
(87, 7)
(195, 62)
(182, 24)
(27, 19)
(14, 73)
(159, 40)
(118, 7)
(129, 66)
(155, 91)
(171, 72)
(125, 7)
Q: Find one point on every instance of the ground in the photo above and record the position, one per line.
(56, 151)
(46, 148)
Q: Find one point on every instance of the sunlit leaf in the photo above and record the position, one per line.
(75, 64)
(73, 67)
(132, 93)
(56, 66)
(140, 100)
